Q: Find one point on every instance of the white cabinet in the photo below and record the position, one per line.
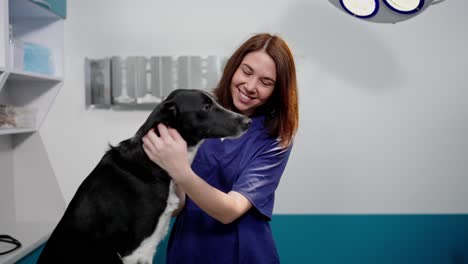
(31, 202)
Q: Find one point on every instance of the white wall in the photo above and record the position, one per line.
(383, 107)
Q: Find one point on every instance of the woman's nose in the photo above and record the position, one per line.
(250, 85)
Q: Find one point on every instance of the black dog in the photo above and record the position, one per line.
(121, 211)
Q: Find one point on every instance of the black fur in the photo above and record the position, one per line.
(118, 205)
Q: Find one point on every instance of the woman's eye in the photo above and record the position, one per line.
(246, 72)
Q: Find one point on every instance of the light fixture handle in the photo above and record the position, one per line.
(437, 2)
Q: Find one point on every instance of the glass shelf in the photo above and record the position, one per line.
(19, 75)
(8, 131)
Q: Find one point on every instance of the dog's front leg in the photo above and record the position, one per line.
(144, 254)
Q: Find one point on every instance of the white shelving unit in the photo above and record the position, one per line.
(31, 202)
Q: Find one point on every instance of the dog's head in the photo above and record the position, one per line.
(196, 115)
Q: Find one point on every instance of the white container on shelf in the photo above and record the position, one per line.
(25, 117)
(17, 117)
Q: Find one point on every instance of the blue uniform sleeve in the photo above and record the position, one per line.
(260, 178)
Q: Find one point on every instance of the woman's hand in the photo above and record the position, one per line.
(169, 151)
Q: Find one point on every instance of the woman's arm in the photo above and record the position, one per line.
(224, 207)
(170, 152)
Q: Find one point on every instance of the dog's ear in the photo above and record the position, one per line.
(169, 111)
(166, 112)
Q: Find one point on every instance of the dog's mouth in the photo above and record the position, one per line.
(245, 123)
(243, 126)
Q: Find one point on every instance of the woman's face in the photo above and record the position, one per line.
(253, 82)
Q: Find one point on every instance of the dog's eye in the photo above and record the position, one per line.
(207, 107)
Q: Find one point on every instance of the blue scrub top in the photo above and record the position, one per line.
(251, 165)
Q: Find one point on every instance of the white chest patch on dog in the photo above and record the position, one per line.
(145, 252)
(192, 151)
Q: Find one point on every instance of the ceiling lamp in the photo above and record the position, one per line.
(404, 6)
(361, 8)
(383, 11)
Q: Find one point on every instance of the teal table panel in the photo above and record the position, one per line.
(362, 239)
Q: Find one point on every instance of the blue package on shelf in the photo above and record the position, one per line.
(37, 59)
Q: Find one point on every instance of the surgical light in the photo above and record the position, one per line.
(384, 11)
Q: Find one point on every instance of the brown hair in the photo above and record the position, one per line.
(281, 109)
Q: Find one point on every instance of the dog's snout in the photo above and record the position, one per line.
(245, 123)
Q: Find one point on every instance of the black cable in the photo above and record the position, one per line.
(10, 240)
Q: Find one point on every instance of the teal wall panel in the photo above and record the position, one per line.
(330, 239)
(363, 239)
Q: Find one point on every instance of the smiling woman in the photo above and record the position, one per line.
(227, 194)
(274, 65)
(253, 82)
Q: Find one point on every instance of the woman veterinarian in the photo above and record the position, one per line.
(230, 186)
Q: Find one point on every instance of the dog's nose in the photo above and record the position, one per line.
(245, 123)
